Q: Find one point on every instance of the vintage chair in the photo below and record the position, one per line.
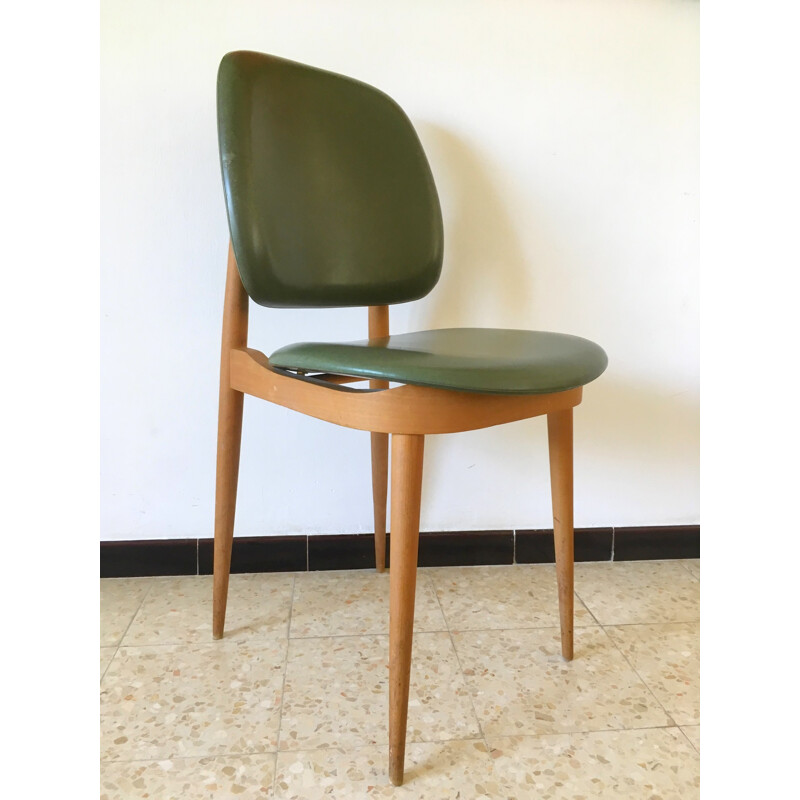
(331, 203)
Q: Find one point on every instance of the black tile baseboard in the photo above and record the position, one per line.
(465, 548)
(144, 558)
(357, 551)
(342, 551)
(257, 554)
(538, 546)
(643, 544)
(436, 549)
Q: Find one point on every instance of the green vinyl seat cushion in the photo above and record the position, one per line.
(489, 360)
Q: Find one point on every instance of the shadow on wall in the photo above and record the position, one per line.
(630, 440)
(644, 432)
(632, 422)
(485, 279)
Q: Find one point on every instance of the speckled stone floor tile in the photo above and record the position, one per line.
(106, 654)
(183, 716)
(693, 735)
(433, 771)
(355, 603)
(336, 692)
(649, 763)
(178, 610)
(160, 702)
(120, 598)
(520, 684)
(667, 658)
(620, 593)
(217, 778)
(641, 764)
(481, 598)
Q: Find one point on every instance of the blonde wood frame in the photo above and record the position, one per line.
(407, 413)
(404, 409)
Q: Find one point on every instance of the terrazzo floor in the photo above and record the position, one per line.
(293, 702)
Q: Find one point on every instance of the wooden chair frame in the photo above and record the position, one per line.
(407, 413)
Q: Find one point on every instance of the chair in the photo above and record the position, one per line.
(331, 203)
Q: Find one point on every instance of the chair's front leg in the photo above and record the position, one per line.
(406, 495)
(559, 434)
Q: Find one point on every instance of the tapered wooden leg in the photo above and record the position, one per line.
(380, 474)
(406, 494)
(559, 434)
(229, 437)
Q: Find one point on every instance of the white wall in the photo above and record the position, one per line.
(563, 137)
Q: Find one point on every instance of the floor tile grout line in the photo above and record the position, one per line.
(125, 632)
(461, 630)
(645, 623)
(198, 756)
(384, 634)
(583, 732)
(644, 682)
(508, 735)
(283, 684)
(460, 665)
(691, 743)
(515, 735)
(686, 567)
(127, 628)
(589, 610)
(113, 656)
(445, 630)
(265, 639)
(380, 744)
(650, 689)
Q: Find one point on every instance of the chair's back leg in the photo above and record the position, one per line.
(229, 438)
(559, 434)
(406, 495)
(380, 474)
(378, 328)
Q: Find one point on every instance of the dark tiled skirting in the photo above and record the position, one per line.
(356, 551)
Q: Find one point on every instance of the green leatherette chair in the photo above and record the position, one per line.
(331, 203)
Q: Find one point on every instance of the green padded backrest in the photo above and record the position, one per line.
(330, 198)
